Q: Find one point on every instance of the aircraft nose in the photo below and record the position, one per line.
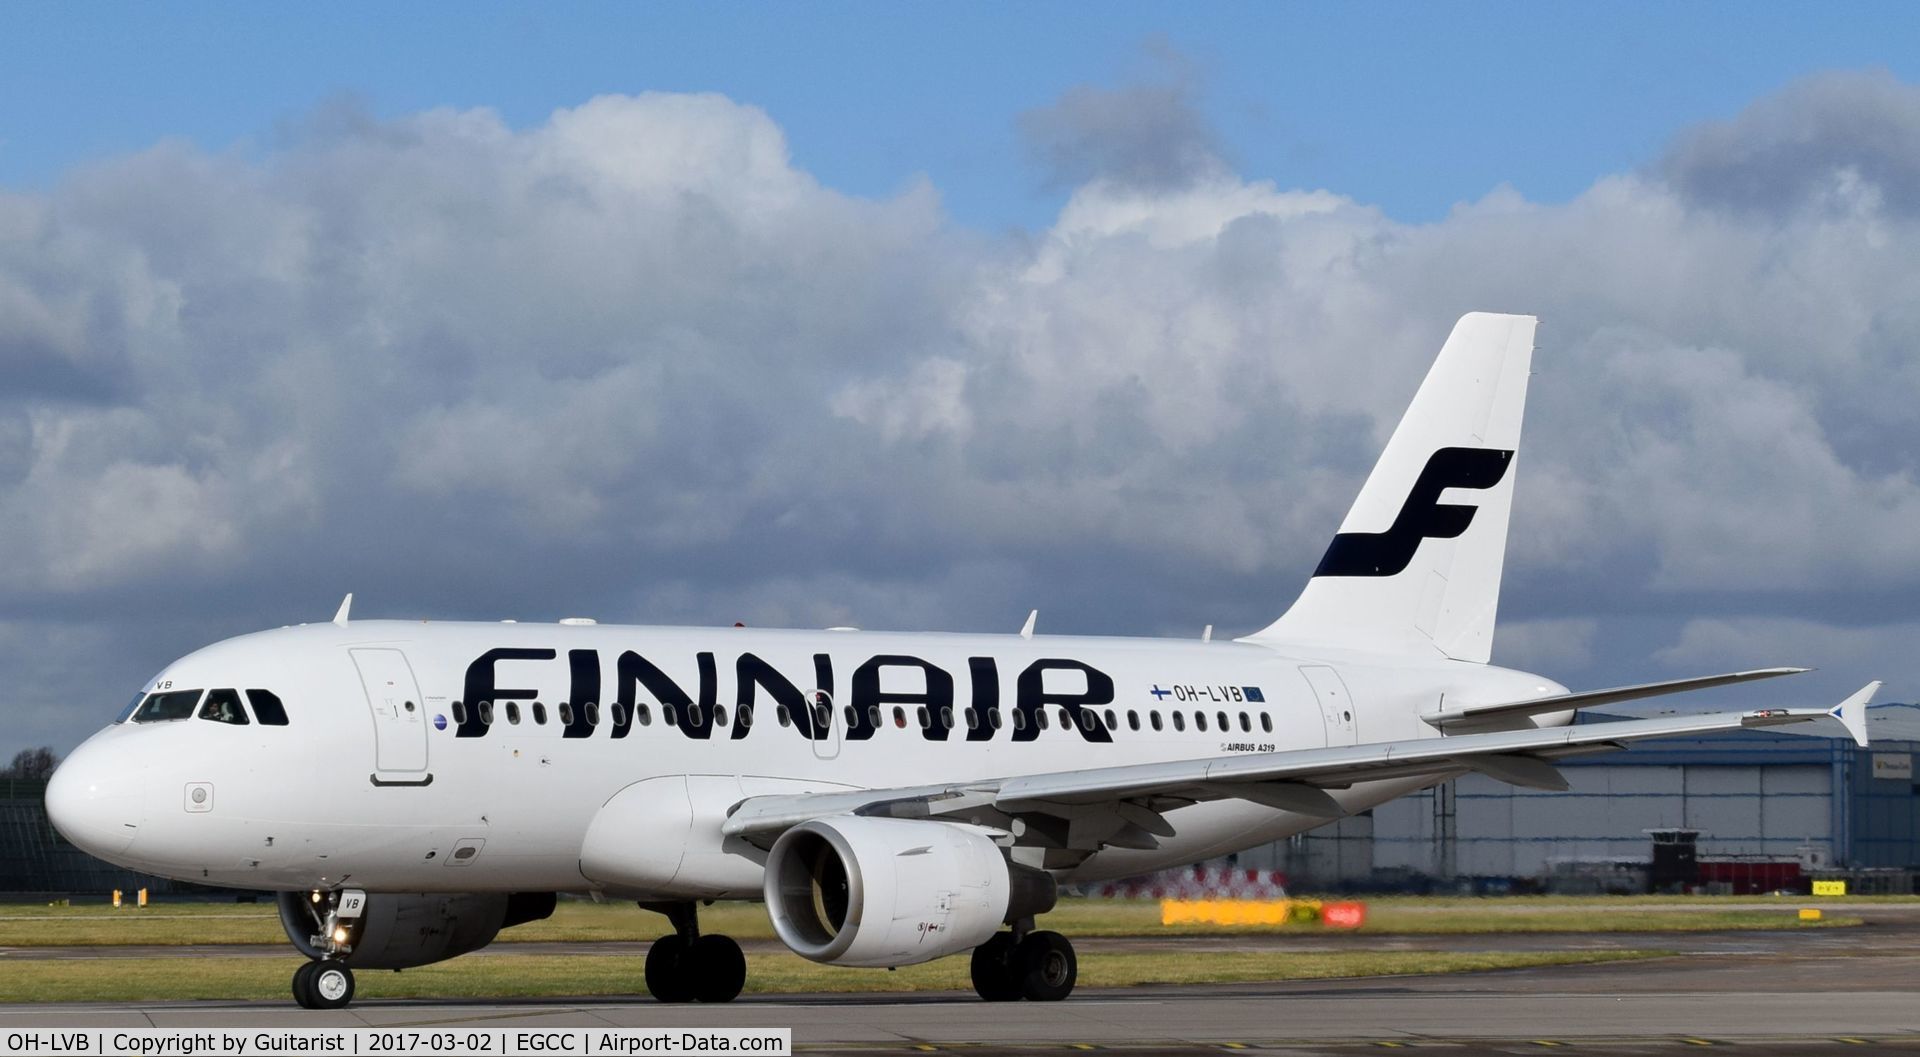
(96, 799)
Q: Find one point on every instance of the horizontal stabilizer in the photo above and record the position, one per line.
(1449, 717)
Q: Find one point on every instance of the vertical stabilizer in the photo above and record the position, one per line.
(1416, 565)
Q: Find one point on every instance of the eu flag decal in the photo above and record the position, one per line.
(1254, 695)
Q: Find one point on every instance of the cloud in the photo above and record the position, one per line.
(1148, 136)
(1547, 645)
(632, 362)
(1844, 139)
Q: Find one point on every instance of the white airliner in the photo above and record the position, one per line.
(411, 787)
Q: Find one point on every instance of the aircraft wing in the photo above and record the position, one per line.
(1121, 806)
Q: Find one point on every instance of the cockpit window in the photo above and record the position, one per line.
(127, 712)
(267, 708)
(223, 706)
(174, 704)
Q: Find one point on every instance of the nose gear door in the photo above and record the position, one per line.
(399, 716)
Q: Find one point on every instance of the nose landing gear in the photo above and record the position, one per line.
(323, 984)
(689, 967)
(327, 983)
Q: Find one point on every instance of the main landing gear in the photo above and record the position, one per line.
(1036, 966)
(689, 967)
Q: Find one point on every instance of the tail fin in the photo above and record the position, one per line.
(1409, 573)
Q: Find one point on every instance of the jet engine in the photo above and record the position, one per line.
(402, 931)
(877, 892)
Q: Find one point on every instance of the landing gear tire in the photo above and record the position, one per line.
(994, 978)
(1045, 967)
(668, 976)
(303, 985)
(323, 985)
(719, 969)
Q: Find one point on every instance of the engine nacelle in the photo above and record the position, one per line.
(883, 892)
(402, 931)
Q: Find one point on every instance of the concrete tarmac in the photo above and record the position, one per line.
(1854, 990)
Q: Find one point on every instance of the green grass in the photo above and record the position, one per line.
(578, 921)
(502, 976)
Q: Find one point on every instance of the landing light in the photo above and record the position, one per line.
(340, 934)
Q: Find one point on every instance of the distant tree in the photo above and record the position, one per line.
(32, 764)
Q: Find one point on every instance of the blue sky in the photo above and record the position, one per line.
(1410, 107)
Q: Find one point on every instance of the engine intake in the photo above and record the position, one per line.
(402, 931)
(883, 892)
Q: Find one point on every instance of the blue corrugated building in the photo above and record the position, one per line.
(1758, 795)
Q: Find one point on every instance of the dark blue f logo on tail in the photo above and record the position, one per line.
(1422, 516)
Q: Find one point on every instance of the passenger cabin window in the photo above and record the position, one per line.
(174, 704)
(1266, 722)
(513, 713)
(267, 708)
(540, 713)
(223, 706)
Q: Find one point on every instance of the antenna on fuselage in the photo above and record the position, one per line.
(1026, 630)
(346, 604)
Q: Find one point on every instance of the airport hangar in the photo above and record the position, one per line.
(1768, 809)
